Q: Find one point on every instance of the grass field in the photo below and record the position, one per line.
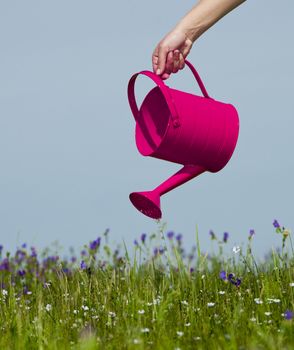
(164, 297)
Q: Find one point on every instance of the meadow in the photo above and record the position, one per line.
(163, 297)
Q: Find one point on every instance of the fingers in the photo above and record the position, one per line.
(166, 61)
(162, 57)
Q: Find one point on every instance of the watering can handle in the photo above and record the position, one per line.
(164, 89)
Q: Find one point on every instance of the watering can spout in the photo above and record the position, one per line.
(148, 202)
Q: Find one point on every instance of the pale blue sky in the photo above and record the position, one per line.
(67, 151)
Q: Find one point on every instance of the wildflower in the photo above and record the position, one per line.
(210, 304)
(48, 307)
(1, 248)
(4, 265)
(24, 245)
(4, 292)
(75, 311)
(276, 224)
(179, 237)
(170, 235)
(184, 302)
(286, 233)
(83, 265)
(225, 237)
(33, 252)
(95, 244)
(291, 284)
(258, 301)
(267, 313)
(223, 275)
(143, 237)
(180, 334)
(136, 341)
(85, 307)
(161, 250)
(236, 249)
(136, 242)
(212, 234)
(221, 292)
(253, 319)
(21, 273)
(155, 251)
(187, 324)
(251, 234)
(144, 330)
(141, 312)
(83, 252)
(288, 315)
(111, 314)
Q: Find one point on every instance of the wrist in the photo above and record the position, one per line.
(192, 32)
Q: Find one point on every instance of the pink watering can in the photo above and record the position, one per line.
(198, 132)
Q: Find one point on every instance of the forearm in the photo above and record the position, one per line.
(203, 15)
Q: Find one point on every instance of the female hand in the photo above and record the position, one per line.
(168, 56)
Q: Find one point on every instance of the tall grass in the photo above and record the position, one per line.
(162, 297)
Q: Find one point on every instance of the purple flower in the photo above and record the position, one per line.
(136, 242)
(83, 252)
(223, 275)
(170, 235)
(212, 234)
(226, 236)
(251, 233)
(34, 252)
(179, 237)
(83, 265)
(276, 224)
(288, 315)
(143, 237)
(21, 273)
(4, 265)
(161, 250)
(24, 245)
(1, 248)
(155, 251)
(95, 244)
(73, 259)
(191, 269)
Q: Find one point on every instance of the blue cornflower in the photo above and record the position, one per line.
(276, 224)
(288, 315)
(143, 237)
(83, 265)
(226, 236)
(170, 235)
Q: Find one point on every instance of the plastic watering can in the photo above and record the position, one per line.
(195, 131)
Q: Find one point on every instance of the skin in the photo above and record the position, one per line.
(169, 54)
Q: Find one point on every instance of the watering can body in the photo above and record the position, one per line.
(195, 131)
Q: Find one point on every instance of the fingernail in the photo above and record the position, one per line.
(158, 71)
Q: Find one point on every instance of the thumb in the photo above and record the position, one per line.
(162, 54)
